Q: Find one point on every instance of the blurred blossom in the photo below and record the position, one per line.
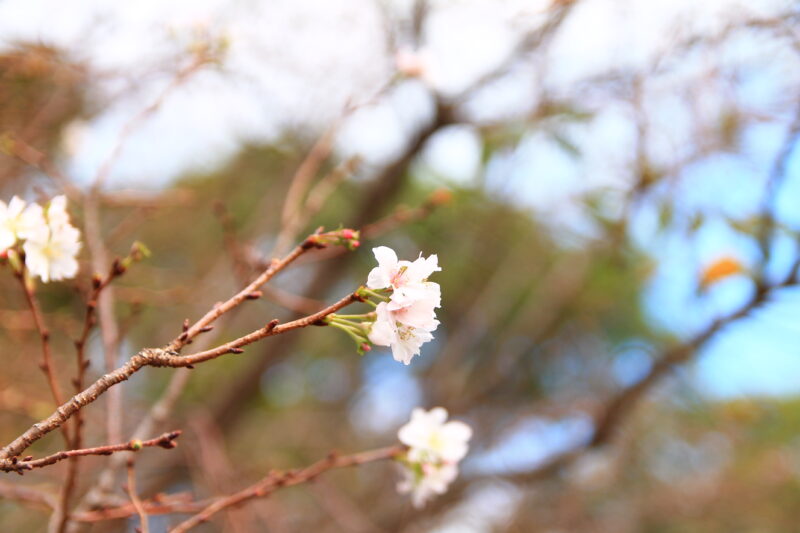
(431, 438)
(428, 482)
(73, 138)
(18, 221)
(435, 448)
(51, 248)
(415, 64)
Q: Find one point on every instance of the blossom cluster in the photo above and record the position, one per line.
(48, 239)
(406, 321)
(435, 448)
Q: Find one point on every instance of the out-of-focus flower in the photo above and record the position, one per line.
(18, 221)
(435, 448)
(57, 215)
(426, 481)
(418, 64)
(51, 248)
(431, 438)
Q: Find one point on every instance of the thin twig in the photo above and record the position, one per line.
(109, 329)
(44, 335)
(168, 357)
(160, 504)
(243, 295)
(60, 516)
(16, 492)
(137, 503)
(161, 408)
(167, 440)
(278, 479)
(273, 328)
(180, 77)
(298, 188)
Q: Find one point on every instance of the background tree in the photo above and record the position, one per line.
(624, 215)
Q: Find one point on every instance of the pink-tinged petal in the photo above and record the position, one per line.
(422, 268)
(419, 315)
(385, 256)
(378, 279)
(402, 353)
(383, 331)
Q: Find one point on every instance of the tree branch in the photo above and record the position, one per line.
(278, 479)
(167, 440)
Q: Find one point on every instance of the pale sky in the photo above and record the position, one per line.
(296, 64)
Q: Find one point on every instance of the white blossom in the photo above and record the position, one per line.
(430, 438)
(18, 221)
(51, 255)
(57, 215)
(405, 340)
(435, 447)
(426, 480)
(51, 249)
(407, 279)
(406, 321)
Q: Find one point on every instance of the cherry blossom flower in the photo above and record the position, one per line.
(435, 448)
(430, 438)
(18, 221)
(57, 215)
(426, 480)
(51, 249)
(407, 279)
(405, 340)
(406, 321)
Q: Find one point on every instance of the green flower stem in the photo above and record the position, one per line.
(374, 294)
(363, 316)
(355, 326)
(353, 335)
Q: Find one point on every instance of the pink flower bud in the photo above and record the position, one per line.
(348, 234)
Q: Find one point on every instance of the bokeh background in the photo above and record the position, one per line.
(612, 188)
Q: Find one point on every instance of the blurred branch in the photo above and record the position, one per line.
(777, 176)
(15, 492)
(348, 515)
(198, 61)
(278, 479)
(300, 182)
(160, 504)
(217, 470)
(109, 329)
(135, 501)
(532, 40)
(612, 416)
(29, 155)
(619, 406)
